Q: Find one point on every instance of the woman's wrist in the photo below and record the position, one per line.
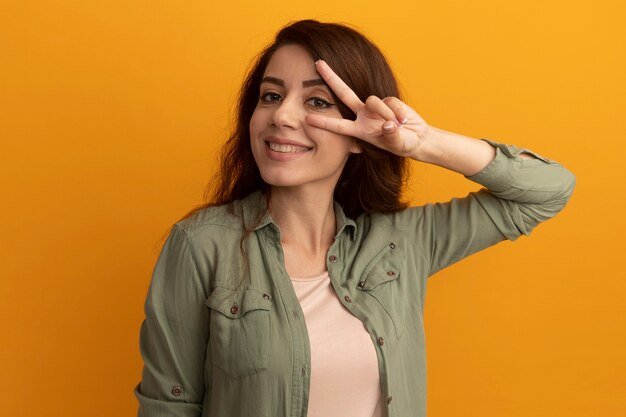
(427, 150)
(456, 152)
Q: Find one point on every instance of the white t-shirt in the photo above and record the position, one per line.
(344, 366)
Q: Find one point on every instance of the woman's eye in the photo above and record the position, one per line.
(319, 103)
(270, 97)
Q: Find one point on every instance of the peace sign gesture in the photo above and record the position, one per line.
(387, 123)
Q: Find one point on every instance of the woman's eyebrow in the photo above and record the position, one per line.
(311, 83)
(281, 83)
(273, 80)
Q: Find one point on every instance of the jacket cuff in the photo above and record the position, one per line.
(502, 171)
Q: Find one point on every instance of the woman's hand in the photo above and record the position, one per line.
(392, 125)
(386, 123)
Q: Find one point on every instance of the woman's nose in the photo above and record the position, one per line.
(287, 114)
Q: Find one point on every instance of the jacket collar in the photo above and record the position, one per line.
(253, 209)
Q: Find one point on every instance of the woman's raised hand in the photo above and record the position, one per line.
(387, 123)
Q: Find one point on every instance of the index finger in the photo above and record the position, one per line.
(336, 84)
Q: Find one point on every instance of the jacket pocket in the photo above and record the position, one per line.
(382, 279)
(239, 330)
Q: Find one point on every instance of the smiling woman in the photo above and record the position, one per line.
(288, 151)
(298, 289)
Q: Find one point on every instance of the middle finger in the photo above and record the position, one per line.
(377, 106)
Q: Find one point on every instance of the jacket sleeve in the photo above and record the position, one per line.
(174, 334)
(518, 195)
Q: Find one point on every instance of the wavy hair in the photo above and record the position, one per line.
(371, 181)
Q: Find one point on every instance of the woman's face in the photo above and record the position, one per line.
(289, 152)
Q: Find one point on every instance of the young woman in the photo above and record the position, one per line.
(299, 289)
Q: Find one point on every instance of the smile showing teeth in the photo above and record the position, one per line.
(277, 147)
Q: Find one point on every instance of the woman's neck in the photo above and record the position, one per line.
(306, 219)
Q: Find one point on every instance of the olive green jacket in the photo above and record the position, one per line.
(225, 338)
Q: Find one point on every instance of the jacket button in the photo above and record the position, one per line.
(361, 284)
(391, 273)
(266, 296)
(347, 298)
(177, 391)
(332, 258)
(381, 341)
(392, 245)
(389, 399)
(234, 310)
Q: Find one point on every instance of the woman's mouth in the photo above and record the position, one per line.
(284, 148)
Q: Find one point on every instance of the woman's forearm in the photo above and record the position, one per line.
(456, 152)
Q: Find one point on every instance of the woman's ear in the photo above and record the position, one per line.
(356, 146)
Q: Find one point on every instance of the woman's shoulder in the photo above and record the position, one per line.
(207, 219)
(232, 216)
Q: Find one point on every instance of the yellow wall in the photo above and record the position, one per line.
(110, 114)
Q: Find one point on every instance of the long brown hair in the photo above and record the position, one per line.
(371, 181)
